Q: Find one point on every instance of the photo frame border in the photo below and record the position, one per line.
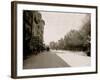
(14, 37)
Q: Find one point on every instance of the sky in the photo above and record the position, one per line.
(58, 24)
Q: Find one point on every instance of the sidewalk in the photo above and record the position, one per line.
(75, 60)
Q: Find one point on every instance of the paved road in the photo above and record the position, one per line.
(44, 60)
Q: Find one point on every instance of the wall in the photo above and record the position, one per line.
(5, 41)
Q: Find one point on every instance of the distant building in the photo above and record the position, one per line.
(33, 28)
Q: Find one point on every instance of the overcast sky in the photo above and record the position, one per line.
(57, 25)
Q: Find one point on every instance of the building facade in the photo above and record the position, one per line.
(33, 28)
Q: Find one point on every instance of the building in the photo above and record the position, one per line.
(33, 28)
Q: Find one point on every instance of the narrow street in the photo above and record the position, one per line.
(55, 59)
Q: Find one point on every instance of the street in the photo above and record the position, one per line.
(56, 59)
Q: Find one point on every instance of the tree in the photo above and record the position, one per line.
(73, 40)
(53, 45)
(85, 31)
(60, 44)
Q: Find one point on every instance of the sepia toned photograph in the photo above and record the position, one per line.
(52, 39)
(56, 39)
